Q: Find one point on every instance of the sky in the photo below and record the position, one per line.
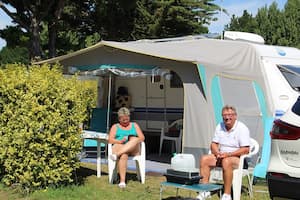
(235, 7)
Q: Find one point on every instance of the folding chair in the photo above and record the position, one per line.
(239, 173)
(172, 132)
(140, 161)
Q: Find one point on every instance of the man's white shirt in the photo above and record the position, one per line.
(238, 136)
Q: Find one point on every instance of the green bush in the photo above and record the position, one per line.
(40, 111)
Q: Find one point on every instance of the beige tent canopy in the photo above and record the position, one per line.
(213, 72)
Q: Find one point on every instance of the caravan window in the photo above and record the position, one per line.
(292, 75)
(175, 81)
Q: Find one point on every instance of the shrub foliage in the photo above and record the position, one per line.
(39, 115)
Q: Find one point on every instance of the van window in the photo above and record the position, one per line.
(292, 75)
(296, 107)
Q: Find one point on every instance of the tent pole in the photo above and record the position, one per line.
(108, 103)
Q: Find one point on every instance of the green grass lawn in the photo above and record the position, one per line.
(90, 187)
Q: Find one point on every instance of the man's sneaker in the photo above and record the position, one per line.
(226, 197)
(203, 195)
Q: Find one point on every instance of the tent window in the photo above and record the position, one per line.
(242, 95)
(175, 81)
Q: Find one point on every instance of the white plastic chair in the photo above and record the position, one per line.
(239, 173)
(140, 161)
(177, 139)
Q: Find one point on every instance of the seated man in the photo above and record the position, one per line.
(231, 140)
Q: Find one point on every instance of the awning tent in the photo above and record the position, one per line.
(208, 69)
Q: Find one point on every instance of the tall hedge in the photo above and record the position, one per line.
(39, 115)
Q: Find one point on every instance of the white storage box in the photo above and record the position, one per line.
(183, 162)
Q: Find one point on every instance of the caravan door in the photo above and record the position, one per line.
(155, 108)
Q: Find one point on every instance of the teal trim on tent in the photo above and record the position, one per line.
(260, 169)
(110, 66)
(217, 99)
(202, 74)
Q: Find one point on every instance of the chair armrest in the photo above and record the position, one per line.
(164, 129)
(241, 163)
(254, 148)
(143, 149)
(109, 149)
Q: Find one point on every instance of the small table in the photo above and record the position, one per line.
(195, 187)
(100, 138)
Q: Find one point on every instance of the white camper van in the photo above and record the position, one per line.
(260, 80)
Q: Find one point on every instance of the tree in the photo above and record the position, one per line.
(57, 27)
(14, 36)
(177, 18)
(291, 23)
(53, 17)
(143, 20)
(29, 15)
(264, 27)
(115, 18)
(272, 25)
(173, 18)
(277, 27)
(9, 55)
(77, 28)
(16, 50)
(245, 23)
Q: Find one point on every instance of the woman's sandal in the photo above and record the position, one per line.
(122, 185)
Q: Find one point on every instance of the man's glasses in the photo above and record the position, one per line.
(228, 115)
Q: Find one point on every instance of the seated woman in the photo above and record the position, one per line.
(125, 137)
